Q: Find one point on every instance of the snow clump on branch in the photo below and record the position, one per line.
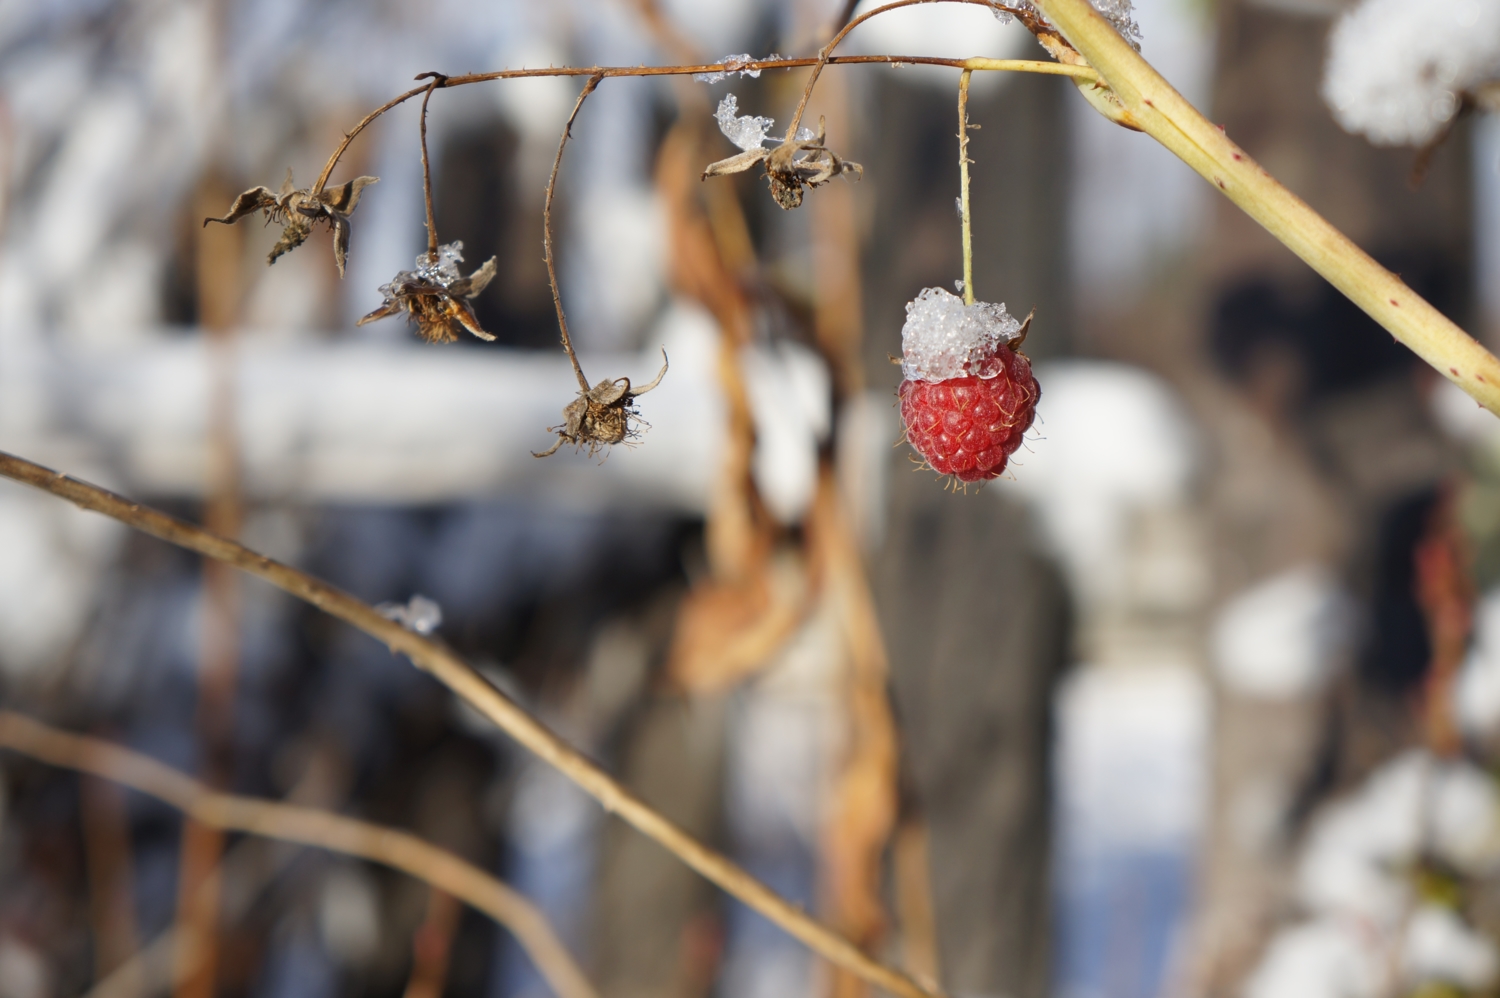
(1398, 71)
(735, 64)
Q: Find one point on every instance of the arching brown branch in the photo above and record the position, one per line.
(432, 236)
(605, 414)
(364, 122)
(562, 319)
(1003, 65)
(454, 673)
(311, 827)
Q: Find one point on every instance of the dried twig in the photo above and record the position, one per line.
(453, 672)
(432, 236)
(307, 826)
(605, 414)
(999, 65)
(562, 320)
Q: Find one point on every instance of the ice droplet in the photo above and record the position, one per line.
(418, 614)
(944, 338)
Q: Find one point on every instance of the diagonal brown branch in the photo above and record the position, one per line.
(307, 826)
(562, 320)
(454, 673)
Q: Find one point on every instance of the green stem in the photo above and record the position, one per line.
(963, 182)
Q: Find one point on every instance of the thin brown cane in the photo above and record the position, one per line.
(562, 319)
(432, 236)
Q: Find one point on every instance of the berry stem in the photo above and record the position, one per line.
(963, 182)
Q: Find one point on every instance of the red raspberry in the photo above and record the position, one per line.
(969, 427)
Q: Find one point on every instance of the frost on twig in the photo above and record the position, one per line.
(735, 64)
(1119, 13)
(299, 210)
(1399, 72)
(435, 295)
(802, 162)
(418, 614)
(602, 416)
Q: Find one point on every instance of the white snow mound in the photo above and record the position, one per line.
(1396, 69)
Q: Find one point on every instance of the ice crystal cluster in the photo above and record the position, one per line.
(1120, 13)
(442, 271)
(1396, 69)
(748, 131)
(735, 64)
(944, 338)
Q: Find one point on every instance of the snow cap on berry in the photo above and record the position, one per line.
(944, 338)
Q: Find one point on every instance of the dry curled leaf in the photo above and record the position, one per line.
(602, 416)
(299, 210)
(797, 163)
(435, 295)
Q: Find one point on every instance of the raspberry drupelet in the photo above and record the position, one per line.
(969, 394)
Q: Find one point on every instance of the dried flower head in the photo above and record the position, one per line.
(436, 296)
(803, 161)
(299, 210)
(602, 416)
